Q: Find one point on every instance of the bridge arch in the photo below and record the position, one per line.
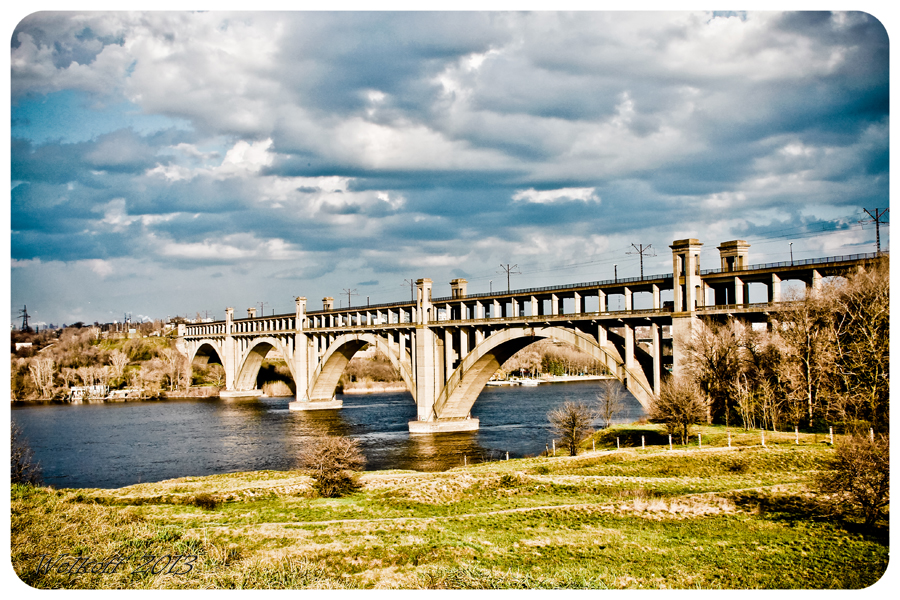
(475, 370)
(251, 361)
(332, 364)
(202, 351)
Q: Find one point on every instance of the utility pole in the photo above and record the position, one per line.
(350, 293)
(24, 314)
(509, 269)
(412, 288)
(876, 218)
(262, 311)
(640, 249)
(616, 273)
(792, 253)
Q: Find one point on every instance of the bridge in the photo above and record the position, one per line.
(446, 349)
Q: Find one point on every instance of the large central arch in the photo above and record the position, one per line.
(252, 361)
(332, 364)
(475, 370)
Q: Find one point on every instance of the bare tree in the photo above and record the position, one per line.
(42, 370)
(806, 328)
(118, 360)
(333, 461)
(861, 310)
(572, 422)
(679, 405)
(715, 360)
(610, 400)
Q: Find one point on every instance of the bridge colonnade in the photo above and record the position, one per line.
(446, 349)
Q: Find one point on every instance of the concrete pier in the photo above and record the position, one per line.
(318, 405)
(447, 426)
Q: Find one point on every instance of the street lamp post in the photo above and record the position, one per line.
(792, 253)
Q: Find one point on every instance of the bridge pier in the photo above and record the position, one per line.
(316, 405)
(444, 426)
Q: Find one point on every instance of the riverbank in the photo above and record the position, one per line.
(716, 517)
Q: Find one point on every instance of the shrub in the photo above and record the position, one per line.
(332, 461)
(22, 466)
(679, 405)
(205, 501)
(572, 422)
(859, 473)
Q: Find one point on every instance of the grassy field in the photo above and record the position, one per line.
(710, 517)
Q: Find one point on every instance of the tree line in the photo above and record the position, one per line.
(79, 357)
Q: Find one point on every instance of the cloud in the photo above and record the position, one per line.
(551, 196)
(255, 151)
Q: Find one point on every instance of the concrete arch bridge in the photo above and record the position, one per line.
(446, 349)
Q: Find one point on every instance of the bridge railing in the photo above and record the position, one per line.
(551, 288)
(797, 263)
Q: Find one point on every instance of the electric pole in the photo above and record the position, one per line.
(876, 218)
(24, 314)
(640, 249)
(412, 288)
(350, 293)
(262, 311)
(509, 269)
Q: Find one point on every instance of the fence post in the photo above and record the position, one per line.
(670, 441)
(507, 456)
(465, 460)
(797, 435)
(642, 443)
(762, 435)
(831, 435)
(729, 439)
(554, 447)
(699, 441)
(871, 434)
(617, 443)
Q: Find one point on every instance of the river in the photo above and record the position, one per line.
(118, 444)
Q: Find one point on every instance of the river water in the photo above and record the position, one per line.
(118, 444)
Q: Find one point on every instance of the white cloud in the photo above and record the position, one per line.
(550, 196)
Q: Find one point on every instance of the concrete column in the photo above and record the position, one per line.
(579, 303)
(656, 336)
(601, 335)
(479, 335)
(300, 358)
(601, 301)
(656, 302)
(627, 298)
(448, 354)
(554, 304)
(496, 312)
(739, 291)
(515, 306)
(479, 310)
(816, 283)
(401, 338)
(628, 331)
(535, 310)
(682, 330)
(426, 366)
(685, 273)
(228, 350)
(775, 289)
(463, 342)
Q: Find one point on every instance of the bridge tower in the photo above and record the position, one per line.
(688, 294)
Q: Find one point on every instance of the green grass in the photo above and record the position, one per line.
(743, 517)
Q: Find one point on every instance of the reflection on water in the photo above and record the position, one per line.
(113, 445)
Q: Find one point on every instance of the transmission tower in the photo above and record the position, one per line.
(876, 218)
(640, 249)
(24, 314)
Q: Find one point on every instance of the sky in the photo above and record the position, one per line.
(176, 163)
